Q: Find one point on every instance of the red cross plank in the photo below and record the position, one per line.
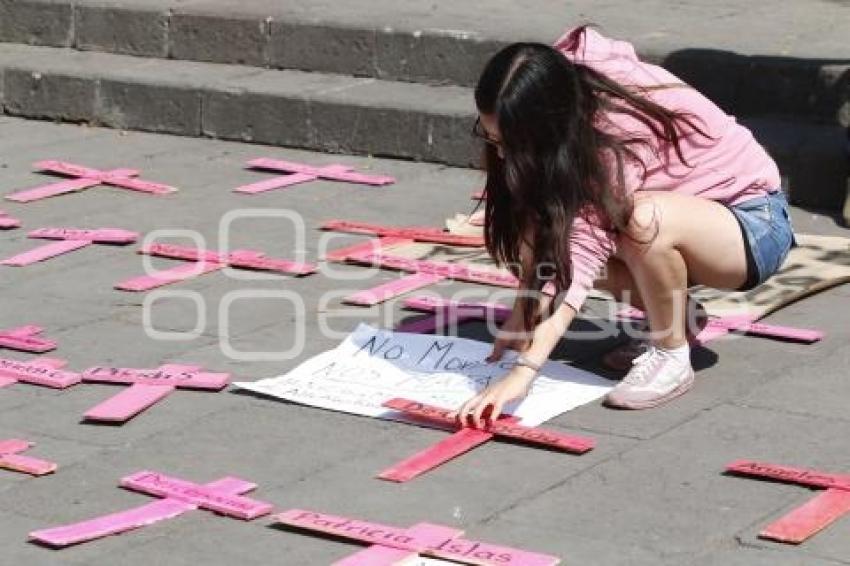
(7, 222)
(417, 233)
(147, 386)
(810, 518)
(180, 497)
(466, 439)
(11, 459)
(26, 339)
(330, 172)
(85, 178)
(207, 261)
(451, 548)
(369, 246)
(40, 371)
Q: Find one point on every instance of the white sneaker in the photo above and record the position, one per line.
(655, 378)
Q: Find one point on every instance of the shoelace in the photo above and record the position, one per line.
(644, 365)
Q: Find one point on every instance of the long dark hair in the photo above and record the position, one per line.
(557, 163)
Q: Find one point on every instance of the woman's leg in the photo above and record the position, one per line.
(674, 241)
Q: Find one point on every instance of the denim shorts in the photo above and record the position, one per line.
(768, 235)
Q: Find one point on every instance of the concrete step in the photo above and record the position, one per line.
(767, 70)
(327, 112)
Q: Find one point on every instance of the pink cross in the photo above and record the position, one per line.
(7, 222)
(810, 518)
(393, 545)
(222, 496)
(26, 339)
(301, 173)
(40, 371)
(416, 233)
(447, 313)
(86, 178)
(147, 386)
(719, 326)
(68, 240)
(10, 459)
(207, 261)
(466, 439)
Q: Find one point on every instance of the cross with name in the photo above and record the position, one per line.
(223, 496)
(207, 261)
(301, 173)
(84, 178)
(810, 518)
(11, 459)
(26, 339)
(467, 438)
(40, 371)
(393, 546)
(7, 222)
(147, 386)
(68, 240)
(416, 233)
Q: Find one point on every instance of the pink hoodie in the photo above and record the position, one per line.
(729, 168)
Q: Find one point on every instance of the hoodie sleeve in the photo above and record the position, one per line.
(590, 249)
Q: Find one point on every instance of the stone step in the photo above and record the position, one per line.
(326, 112)
(767, 71)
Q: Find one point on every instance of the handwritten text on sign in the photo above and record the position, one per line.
(372, 366)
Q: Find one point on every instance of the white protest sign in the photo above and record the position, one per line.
(372, 366)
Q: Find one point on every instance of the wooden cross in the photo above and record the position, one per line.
(466, 439)
(69, 239)
(7, 222)
(11, 459)
(85, 178)
(807, 520)
(26, 339)
(223, 496)
(147, 386)
(207, 261)
(393, 546)
(301, 173)
(40, 371)
(416, 233)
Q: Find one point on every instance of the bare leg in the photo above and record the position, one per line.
(675, 240)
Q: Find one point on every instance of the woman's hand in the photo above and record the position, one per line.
(488, 404)
(511, 336)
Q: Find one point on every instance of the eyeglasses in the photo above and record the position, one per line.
(479, 132)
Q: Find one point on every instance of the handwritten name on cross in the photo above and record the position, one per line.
(85, 178)
(40, 371)
(810, 518)
(392, 545)
(466, 439)
(147, 386)
(223, 496)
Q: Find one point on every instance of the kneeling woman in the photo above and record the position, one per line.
(600, 165)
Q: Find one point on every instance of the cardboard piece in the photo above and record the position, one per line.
(68, 240)
(11, 459)
(26, 339)
(451, 548)
(818, 513)
(7, 222)
(466, 439)
(207, 261)
(372, 366)
(147, 386)
(40, 371)
(86, 178)
(222, 496)
(301, 173)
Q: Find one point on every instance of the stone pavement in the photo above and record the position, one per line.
(651, 493)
